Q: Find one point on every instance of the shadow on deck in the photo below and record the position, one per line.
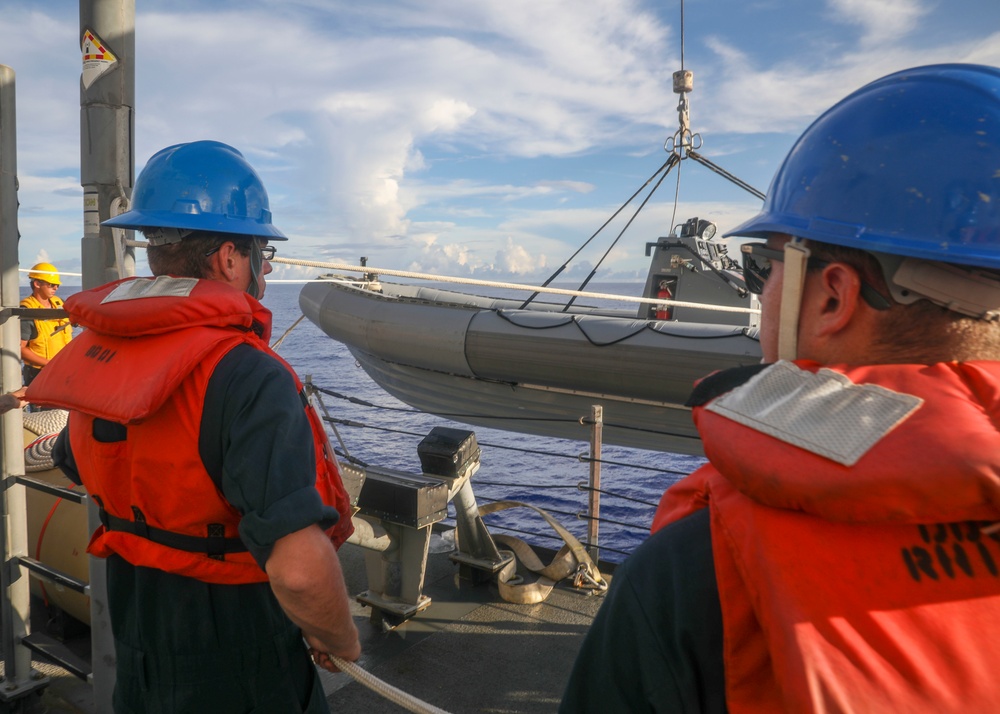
(468, 652)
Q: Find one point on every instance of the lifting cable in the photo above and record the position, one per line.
(667, 165)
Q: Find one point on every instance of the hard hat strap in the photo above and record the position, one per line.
(256, 267)
(796, 262)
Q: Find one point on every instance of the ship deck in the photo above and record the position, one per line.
(468, 652)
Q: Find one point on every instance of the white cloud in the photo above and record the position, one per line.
(516, 259)
(881, 21)
(433, 134)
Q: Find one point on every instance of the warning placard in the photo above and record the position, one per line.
(97, 58)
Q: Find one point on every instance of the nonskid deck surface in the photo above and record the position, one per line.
(468, 652)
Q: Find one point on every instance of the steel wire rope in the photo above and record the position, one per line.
(584, 458)
(410, 410)
(586, 281)
(584, 517)
(707, 163)
(287, 332)
(614, 215)
(581, 486)
(510, 448)
(579, 457)
(578, 515)
(362, 425)
(521, 485)
(458, 417)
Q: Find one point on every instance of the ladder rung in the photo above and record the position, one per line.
(51, 489)
(57, 577)
(57, 653)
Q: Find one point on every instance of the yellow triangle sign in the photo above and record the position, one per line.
(97, 58)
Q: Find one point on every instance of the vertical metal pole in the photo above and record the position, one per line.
(107, 125)
(14, 529)
(594, 497)
(106, 174)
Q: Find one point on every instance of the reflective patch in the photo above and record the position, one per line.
(161, 286)
(824, 413)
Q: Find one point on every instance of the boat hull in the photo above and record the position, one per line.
(536, 370)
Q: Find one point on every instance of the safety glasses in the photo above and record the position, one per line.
(757, 259)
(266, 252)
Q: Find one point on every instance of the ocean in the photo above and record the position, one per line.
(542, 471)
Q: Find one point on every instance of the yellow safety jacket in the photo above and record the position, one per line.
(53, 335)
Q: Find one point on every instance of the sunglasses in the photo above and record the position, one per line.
(757, 259)
(266, 252)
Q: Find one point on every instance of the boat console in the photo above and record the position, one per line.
(689, 265)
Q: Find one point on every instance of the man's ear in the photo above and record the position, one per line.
(223, 262)
(836, 300)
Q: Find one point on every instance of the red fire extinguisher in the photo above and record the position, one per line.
(664, 312)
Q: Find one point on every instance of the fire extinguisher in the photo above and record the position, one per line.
(664, 312)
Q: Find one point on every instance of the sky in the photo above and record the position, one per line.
(471, 138)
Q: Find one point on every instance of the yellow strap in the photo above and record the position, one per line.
(571, 560)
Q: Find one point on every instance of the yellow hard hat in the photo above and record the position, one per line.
(46, 272)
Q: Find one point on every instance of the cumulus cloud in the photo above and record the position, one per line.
(465, 137)
(516, 259)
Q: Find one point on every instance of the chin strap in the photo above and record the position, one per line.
(256, 266)
(796, 258)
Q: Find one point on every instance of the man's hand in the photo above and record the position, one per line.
(323, 659)
(12, 400)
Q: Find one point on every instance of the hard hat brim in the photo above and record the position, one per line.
(206, 222)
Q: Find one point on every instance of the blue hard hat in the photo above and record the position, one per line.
(907, 165)
(200, 186)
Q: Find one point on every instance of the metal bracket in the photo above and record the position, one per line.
(11, 691)
(46, 487)
(12, 570)
(35, 313)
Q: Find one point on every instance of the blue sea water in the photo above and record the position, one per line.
(542, 471)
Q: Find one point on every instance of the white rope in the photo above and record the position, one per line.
(509, 286)
(49, 272)
(332, 265)
(393, 694)
(277, 344)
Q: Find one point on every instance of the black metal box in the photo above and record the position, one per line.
(446, 452)
(412, 500)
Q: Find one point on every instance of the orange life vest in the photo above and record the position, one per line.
(144, 360)
(869, 587)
